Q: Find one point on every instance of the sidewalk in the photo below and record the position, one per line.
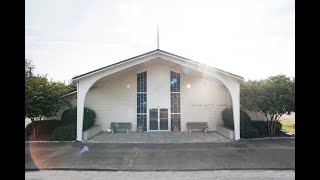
(158, 137)
(165, 175)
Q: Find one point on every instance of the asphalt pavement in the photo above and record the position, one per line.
(261, 154)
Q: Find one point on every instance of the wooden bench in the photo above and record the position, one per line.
(121, 127)
(197, 125)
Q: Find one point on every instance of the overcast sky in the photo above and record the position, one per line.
(251, 38)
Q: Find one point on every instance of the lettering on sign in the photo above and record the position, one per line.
(207, 107)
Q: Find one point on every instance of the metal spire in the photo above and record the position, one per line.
(157, 36)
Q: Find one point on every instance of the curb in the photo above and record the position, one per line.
(49, 141)
(94, 142)
(159, 170)
(126, 142)
(266, 138)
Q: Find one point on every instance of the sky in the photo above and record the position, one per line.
(254, 39)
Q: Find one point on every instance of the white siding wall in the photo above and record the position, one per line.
(203, 102)
(114, 101)
(158, 82)
(256, 116)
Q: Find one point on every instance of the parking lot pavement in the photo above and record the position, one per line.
(272, 154)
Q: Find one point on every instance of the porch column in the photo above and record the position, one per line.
(80, 109)
(235, 94)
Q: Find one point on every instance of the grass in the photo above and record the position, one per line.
(287, 125)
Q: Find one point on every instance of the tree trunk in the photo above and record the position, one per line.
(276, 122)
(275, 127)
(268, 123)
(272, 125)
(33, 125)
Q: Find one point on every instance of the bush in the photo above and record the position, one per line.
(227, 117)
(246, 128)
(89, 118)
(65, 133)
(45, 127)
(249, 132)
(28, 129)
(70, 117)
(262, 126)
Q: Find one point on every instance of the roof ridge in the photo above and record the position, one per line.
(150, 52)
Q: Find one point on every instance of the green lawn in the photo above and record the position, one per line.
(287, 125)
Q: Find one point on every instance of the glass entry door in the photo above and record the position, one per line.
(158, 119)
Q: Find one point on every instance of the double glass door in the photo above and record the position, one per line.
(158, 119)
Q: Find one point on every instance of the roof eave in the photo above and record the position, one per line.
(77, 78)
(68, 94)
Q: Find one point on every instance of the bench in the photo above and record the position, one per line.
(121, 127)
(197, 125)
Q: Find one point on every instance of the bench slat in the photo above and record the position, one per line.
(121, 126)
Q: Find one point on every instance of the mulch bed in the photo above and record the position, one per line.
(38, 138)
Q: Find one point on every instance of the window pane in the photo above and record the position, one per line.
(142, 99)
(174, 82)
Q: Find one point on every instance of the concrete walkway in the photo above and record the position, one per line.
(165, 175)
(259, 154)
(158, 137)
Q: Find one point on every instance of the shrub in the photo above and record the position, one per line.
(89, 118)
(249, 132)
(227, 117)
(246, 128)
(70, 117)
(262, 126)
(45, 127)
(65, 133)
(28, 129)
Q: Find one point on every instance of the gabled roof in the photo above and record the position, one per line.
(69, 93)
(149, 53)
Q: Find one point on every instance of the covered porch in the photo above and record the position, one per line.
(112, 92)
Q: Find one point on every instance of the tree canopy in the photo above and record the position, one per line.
(43, 98)
(272, 97)
(28, 68)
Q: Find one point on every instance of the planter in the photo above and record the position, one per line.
(226, 132)
(139, 130)
(175, 130)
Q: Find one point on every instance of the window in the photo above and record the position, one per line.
(142, 99)
(175, 99)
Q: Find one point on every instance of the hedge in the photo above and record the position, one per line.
(227, 117)
(249, 132)
(262, 126)
(65, 133)
(246, 128)
(70, 117)
(45, 127)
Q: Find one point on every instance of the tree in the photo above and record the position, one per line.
(272, 97)
(43, 98)
(72, 87)
(28, 68)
